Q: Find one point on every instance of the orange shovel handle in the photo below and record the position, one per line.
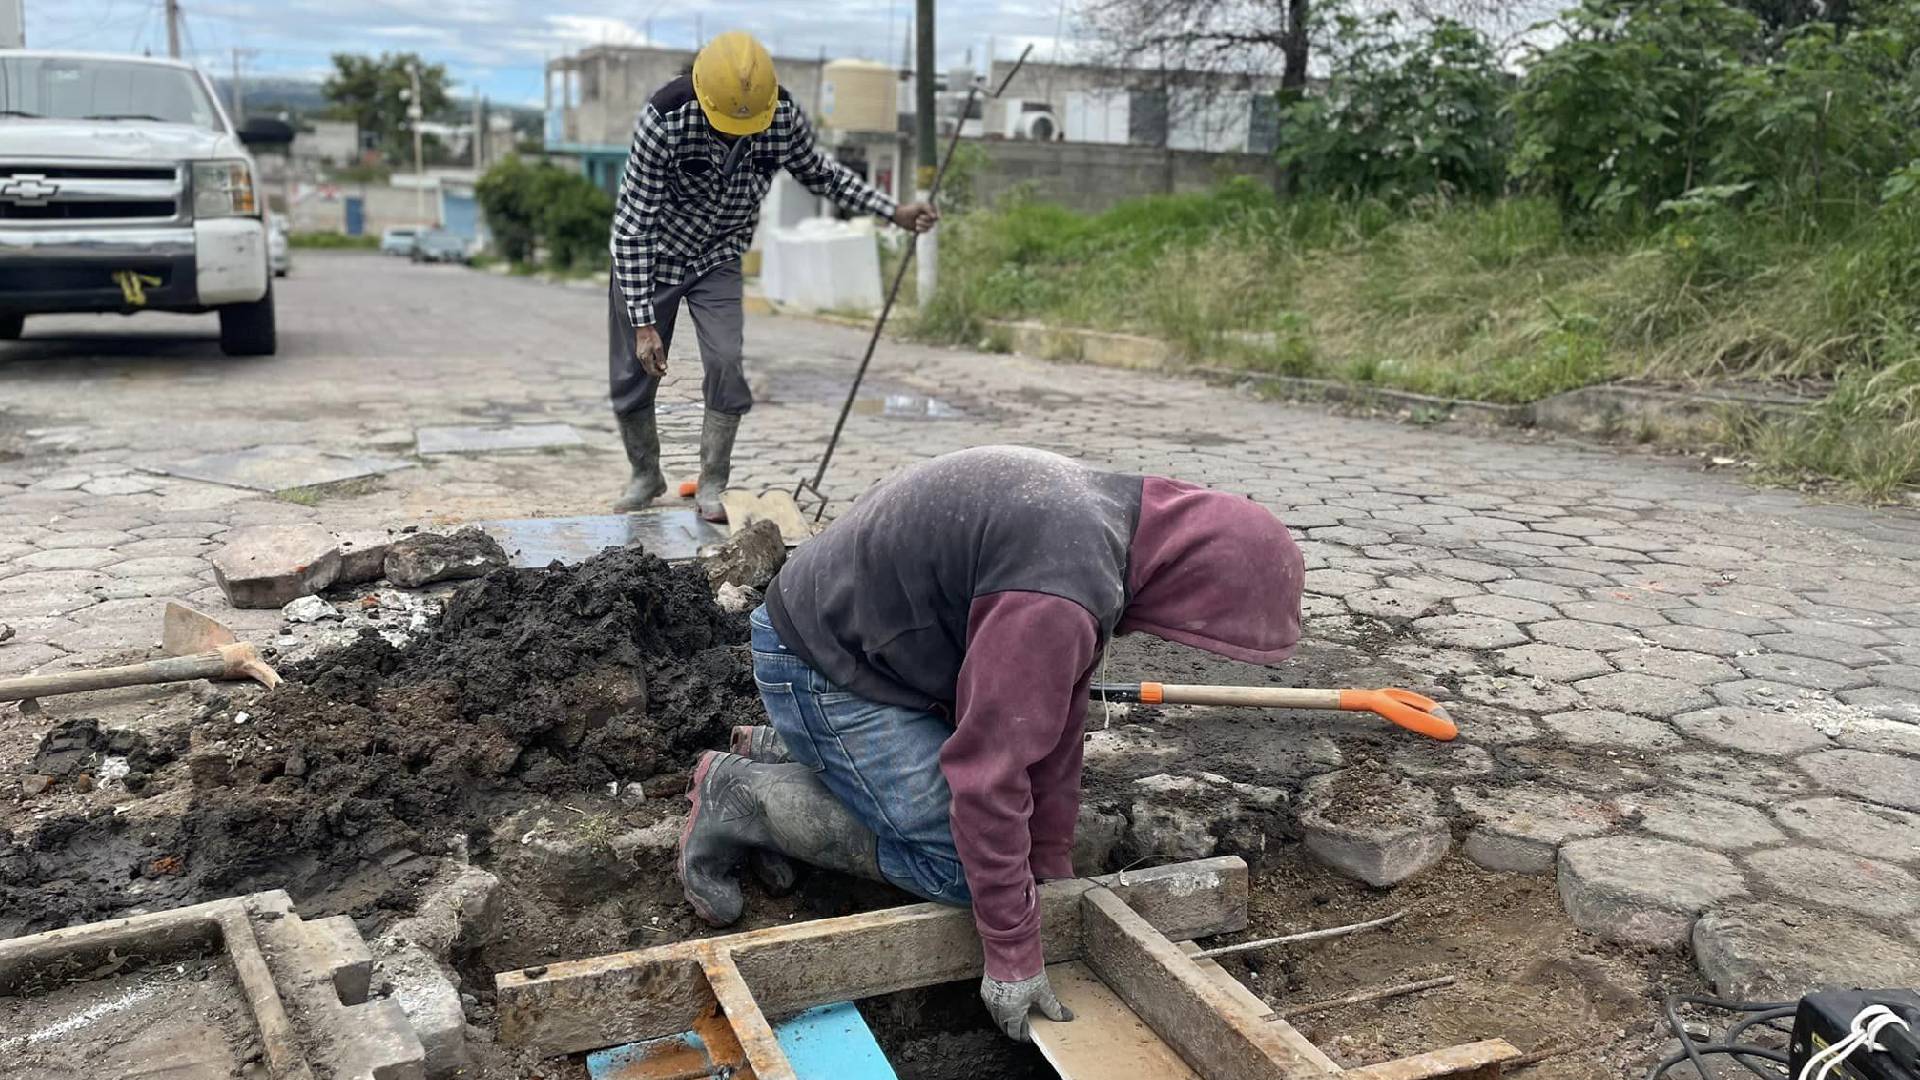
(1415, 712)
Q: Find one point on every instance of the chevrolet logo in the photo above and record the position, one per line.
(29, 190)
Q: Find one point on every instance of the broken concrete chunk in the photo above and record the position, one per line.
(1371, 824)
(736, 599)
(425, 558)
(749, 558)
(266, 566)
(431, 1002)
(309, 609)
(363, 556)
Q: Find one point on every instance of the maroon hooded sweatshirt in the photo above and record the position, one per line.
(987, 583)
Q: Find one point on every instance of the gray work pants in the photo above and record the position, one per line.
(714, 300)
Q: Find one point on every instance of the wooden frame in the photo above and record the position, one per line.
(1124, 926)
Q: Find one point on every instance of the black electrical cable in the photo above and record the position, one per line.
(1738, 1052)
(1766, 1018)
(1692, 1052)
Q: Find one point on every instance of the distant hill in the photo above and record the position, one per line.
(304, 98)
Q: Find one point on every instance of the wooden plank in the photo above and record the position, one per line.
(1105, 1040)
(1250, 1005)
(631, 996)
(1468, 1061)
(762, 1046)
(1202, 1021)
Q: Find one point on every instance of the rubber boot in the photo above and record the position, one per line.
(739, 806)
(761, 744)
(640, 432)
(716, 463)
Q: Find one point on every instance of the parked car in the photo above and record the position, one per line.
(398, 240)
(124, 187)
(279, 246)
(439, 245)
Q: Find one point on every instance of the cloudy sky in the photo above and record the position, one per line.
(498, 46)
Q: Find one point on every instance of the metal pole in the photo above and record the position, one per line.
(173, 28)
(926, 132)
(479, 131)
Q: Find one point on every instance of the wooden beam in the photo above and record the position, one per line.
(1205, 1024)
(1468, 1061)
(626, 997)
(749, 1024)
(1250, 1005)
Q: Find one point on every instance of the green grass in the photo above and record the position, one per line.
(333, 241)
(1501, 302)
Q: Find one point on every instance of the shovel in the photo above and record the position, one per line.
(197, 647)
(1412, 711)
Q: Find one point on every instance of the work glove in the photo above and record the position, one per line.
(1010, 1002)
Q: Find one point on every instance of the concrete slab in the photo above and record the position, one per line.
(675, 535)
(276, 467)
(481, 440)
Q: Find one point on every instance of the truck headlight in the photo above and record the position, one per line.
(223, 189)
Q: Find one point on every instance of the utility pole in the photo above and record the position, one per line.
(479, 132)
(416, 113)
(173, 28)
(925, 138)
(239, 94)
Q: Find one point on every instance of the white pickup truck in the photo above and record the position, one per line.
(124, 187)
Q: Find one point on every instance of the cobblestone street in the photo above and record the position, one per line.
(1696, 701)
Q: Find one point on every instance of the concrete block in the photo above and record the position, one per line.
(1882, 778)
(267, 566)
(1828, 879)
(363, 556)
(424, 558)
(427, 995)
(1371, 825)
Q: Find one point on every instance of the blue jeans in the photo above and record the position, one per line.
(882, 761)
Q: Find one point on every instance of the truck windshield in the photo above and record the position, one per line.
(84, 88)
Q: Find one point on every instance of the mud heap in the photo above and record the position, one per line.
(532, 681)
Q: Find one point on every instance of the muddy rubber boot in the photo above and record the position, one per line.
(739, 806)
(640, 433)
(759, 742)
(716, 463)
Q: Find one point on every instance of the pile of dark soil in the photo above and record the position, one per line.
(543, 681)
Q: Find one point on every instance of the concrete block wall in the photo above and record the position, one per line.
(1092, 177)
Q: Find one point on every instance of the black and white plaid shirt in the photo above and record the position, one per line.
(690, 199)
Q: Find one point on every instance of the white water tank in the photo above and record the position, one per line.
(859, 95)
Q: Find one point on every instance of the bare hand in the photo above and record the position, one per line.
(916, 217)
(650, 350)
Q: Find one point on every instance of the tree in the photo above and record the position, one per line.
(374, 93)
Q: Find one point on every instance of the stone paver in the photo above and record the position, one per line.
(1643, 892)
(1648, 695)
(1774, 952)
(1830, 879)
(1703, 820)
(1756, 731)
(1874, 831)
(1761, 660)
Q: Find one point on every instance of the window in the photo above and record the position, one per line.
(82, 88)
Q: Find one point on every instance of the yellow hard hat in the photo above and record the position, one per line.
(734, 80)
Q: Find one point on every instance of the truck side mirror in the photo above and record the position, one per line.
(262, 132)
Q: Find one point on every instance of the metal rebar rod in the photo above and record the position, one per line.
(1309, 935)
(1360, 998)
(893, 293)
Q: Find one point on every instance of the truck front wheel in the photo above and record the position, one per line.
(247, 329)
(10, 327)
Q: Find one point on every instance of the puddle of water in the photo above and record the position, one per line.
(908, 407)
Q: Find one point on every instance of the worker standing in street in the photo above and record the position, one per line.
(925, 664)
(705, 151)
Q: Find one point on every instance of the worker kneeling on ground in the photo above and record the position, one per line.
(705, 151)
(925, 663)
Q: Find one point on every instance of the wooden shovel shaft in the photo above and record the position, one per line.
(1262, 697)
(208, 665)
